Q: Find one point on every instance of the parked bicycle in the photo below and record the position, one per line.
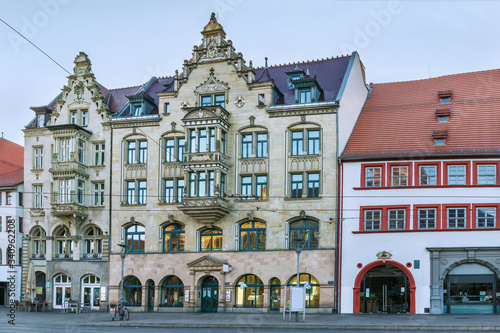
(123, 312)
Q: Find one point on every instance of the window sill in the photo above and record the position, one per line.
(97, 166)
(131, 205)
(306, 198)
(423, 230)
(169, 203)
(421, 186)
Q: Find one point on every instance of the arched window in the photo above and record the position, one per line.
(132, 291)
(211, 240)
(63, 242)
(172, 292)
(173, 238)
(312, 288)
(38, 241)
(249, 292)
(135, 236)
(92, 244)
(307, 231)
(252, 236)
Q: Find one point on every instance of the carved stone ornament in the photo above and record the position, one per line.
(211, 84)
(79, 89)
(185, 104)
(207, 263)
(384, 255)
(239, 101)
(201, 114)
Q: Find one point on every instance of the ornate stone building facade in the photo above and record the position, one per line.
(211, 179)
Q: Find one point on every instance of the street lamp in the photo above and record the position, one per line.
(123, 253)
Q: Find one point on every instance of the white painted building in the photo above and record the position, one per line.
(420, 199)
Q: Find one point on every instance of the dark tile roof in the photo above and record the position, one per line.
(399, 118)
(329, 75)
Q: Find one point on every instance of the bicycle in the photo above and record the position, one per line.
(123, 311)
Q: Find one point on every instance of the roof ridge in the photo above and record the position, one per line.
(305, 62)
(12, 142)
(138, 86)
(437, 77)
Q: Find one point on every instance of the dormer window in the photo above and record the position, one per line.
(439, 137)
(137, 110)
(443, 115)
(305, 95)
(292, 78)
(439, 142)
(40, 120)
(445, 96)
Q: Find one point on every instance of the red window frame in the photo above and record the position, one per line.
(389, 174)
(468, 211)
(384, 217)
(475, 164)
(374, 165)
(467, 171)
(417, 172)
(438, 216)
(484, 205)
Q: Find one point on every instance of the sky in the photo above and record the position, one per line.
(129, 41)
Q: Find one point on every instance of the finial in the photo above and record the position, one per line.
(296, 66)
(251, 64)
(266, 62)
(307, 70)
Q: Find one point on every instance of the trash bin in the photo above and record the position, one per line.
(112, 311)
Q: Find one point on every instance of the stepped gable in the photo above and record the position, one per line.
(399, 118)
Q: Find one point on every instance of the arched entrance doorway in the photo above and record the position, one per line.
(209, 294)
(62, 290)
(384, 287)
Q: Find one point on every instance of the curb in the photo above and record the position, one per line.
(308, 327)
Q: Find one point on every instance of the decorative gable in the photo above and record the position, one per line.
(207, 263)
(211, 85)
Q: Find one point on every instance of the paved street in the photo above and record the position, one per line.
(244, 323)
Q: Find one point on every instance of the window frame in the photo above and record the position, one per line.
(38, 158)
(98, 191)
(138, 154)
(475, 218)
(179, 230)
(477, 164)
(467, 219)
(446, 172)
(296, 186)
(390, 174)
(316, 191)
(248, 232)
(417, 176)
(366, 167)
(416, 216)
(304, 228)
(211, 233)
(99, 153)
(141, 238)
(169, 290)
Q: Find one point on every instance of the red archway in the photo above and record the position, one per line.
(359, 278)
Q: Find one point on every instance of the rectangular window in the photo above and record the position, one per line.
(130, 193)
(399, 176)
(169, 191)
(202, 140)
(65, 191)
(305, 96)
(202, 184)
(486, 217)
(74, 117)
(297, 183)
(137, 110)
(443, 119)
(21, 227)
(85, 118)
(8, 198)
(141, 198)
(21, 199)
(81, 151)
(313, 142)
(246, 146)
(427, 218)
(220, 100)
(396, 219)
(99, 153)
(40, 120)
(98, 194)
(166, 108)
(170, 150)
(427, 175)
(486, 174)
(180, 189)
(440, 142)
(261, 187)
(192, 184)
(456, 174)
(181, 148)
(262, 145)
(223, 142)
(313, 185)
(373, 219)
(38, 196)
(211, 139)
(246, 187)
(0, 230)
(456, 218)
(131, 152)
(143, 152)
(373, 176)
(206, 100)
(211, 183)
(192, 141)
(80, 195)
(65, 150)
(297, 143)
(38, 158)
(222, 185)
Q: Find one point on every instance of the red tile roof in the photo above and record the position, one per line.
(399, 118)
(11, 156)
(12, 178)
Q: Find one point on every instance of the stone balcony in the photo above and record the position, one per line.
(191, 159)
(69, 209)
(205, 209)
(67, 168)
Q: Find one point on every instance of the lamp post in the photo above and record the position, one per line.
(123, 253)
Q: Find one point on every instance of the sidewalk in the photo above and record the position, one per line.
(407, 322)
